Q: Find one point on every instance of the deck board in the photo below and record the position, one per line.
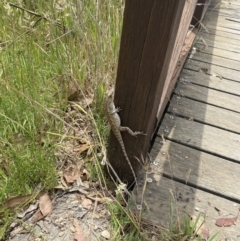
(209, 96)
(203, 137)
(184, 200)
(196, 152)
(218, 52)
(211, 81)
(225, 73)
(204, 113)
(179, 162)
(217, 60)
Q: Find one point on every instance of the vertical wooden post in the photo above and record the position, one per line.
(149, 32)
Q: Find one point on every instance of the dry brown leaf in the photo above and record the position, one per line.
(71, 173)
(81, 148)
(45, 204)
(78, 235)
(38, 216)
(86, 203)
(15, 201)
(227, 222)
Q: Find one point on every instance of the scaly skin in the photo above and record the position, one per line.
(115, 123)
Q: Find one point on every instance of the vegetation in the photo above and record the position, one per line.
(53, 52)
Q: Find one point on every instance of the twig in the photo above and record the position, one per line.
(28, 11)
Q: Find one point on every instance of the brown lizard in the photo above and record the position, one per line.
(115, 123)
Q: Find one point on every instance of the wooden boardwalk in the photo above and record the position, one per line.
(196, 154)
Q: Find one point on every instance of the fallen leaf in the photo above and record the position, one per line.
(45, 205)
(86, 203)
(81, 148)
(227, 222)
(38, 216)
(78, 235)
(15, 201)
(71, 173)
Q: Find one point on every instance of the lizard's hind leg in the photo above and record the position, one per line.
(132, 133)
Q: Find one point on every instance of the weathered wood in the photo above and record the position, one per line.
(220, 33)
(225, 24)
(203, 137)
(222, 42)
(216, 60)
(172, 82)
(213, 27)
(182, 45)
(209, 81)
(166, 202)
(207, 114)
(218, 52)
(196, 154)
(209, 96)
(226, 3)
(223, 72)
(148, 37)
(197, 169)
(227, 12)
(220, 39)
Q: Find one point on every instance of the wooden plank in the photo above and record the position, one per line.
(216, 60)
(220, 33)
(164, 196)
(227, 12)
(212, 27)
(215, 15)
(225, 24)
(197, 168)
(209, 96)
(204, 113)
(147, 42)
(222, 42)
(202, 137)
(218, 52)
(219, 39)
(210, 81)
(226, 3)
(213, 69)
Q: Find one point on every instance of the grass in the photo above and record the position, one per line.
(51, 51)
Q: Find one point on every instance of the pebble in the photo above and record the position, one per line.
(105, 234)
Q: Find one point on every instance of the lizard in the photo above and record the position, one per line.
(115, 123)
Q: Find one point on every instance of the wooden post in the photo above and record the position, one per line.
(148, 37)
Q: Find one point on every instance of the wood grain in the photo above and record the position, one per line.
(198, 169)
(148, 38)
(209, 96)
(218, 52)
(216, 60)
(211, 81)
(207, 114)
(212, 69)
(203, 137)
(167, 202)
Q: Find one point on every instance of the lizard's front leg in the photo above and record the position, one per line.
(116, 110)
